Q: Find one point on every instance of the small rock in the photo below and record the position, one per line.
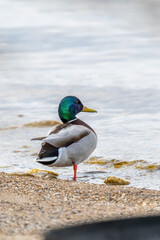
(116, 181)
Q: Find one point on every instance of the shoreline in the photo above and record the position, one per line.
(31, 205)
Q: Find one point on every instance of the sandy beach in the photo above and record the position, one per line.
(31, 205)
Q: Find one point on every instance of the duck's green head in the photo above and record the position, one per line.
(69, 107)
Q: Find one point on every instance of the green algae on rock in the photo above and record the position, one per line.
(116, 181)
(43, 173)
(45, 123)
(8, 128)
(25, 146)
(97, 160)
(18, 174)
(118, 164)
(115, 163)
(35, 172)
(150, 167)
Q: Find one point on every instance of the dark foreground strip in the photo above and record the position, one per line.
(143, 228)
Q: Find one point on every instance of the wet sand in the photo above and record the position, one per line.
(29, 205)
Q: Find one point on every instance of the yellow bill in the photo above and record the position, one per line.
(85, 109)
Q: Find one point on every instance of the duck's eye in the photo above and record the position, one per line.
(77, 102)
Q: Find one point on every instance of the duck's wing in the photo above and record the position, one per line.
(41, 138)
(66, 135)
(38, 138)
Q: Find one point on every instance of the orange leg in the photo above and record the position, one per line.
(75, 171)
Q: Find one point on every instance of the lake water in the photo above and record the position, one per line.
(107, 53)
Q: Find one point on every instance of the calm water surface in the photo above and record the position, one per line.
(105, 52)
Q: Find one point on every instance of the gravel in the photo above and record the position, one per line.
(29, 205)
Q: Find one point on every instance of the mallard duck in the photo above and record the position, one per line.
(71, 142)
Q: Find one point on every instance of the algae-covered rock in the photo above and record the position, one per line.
(42, 173)
(47, 123)
(114, 162)
(97, 160)
(8, 128)
(19, 174)
(116, 181)
(118, 164)
(150, 167)
(35, 172)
